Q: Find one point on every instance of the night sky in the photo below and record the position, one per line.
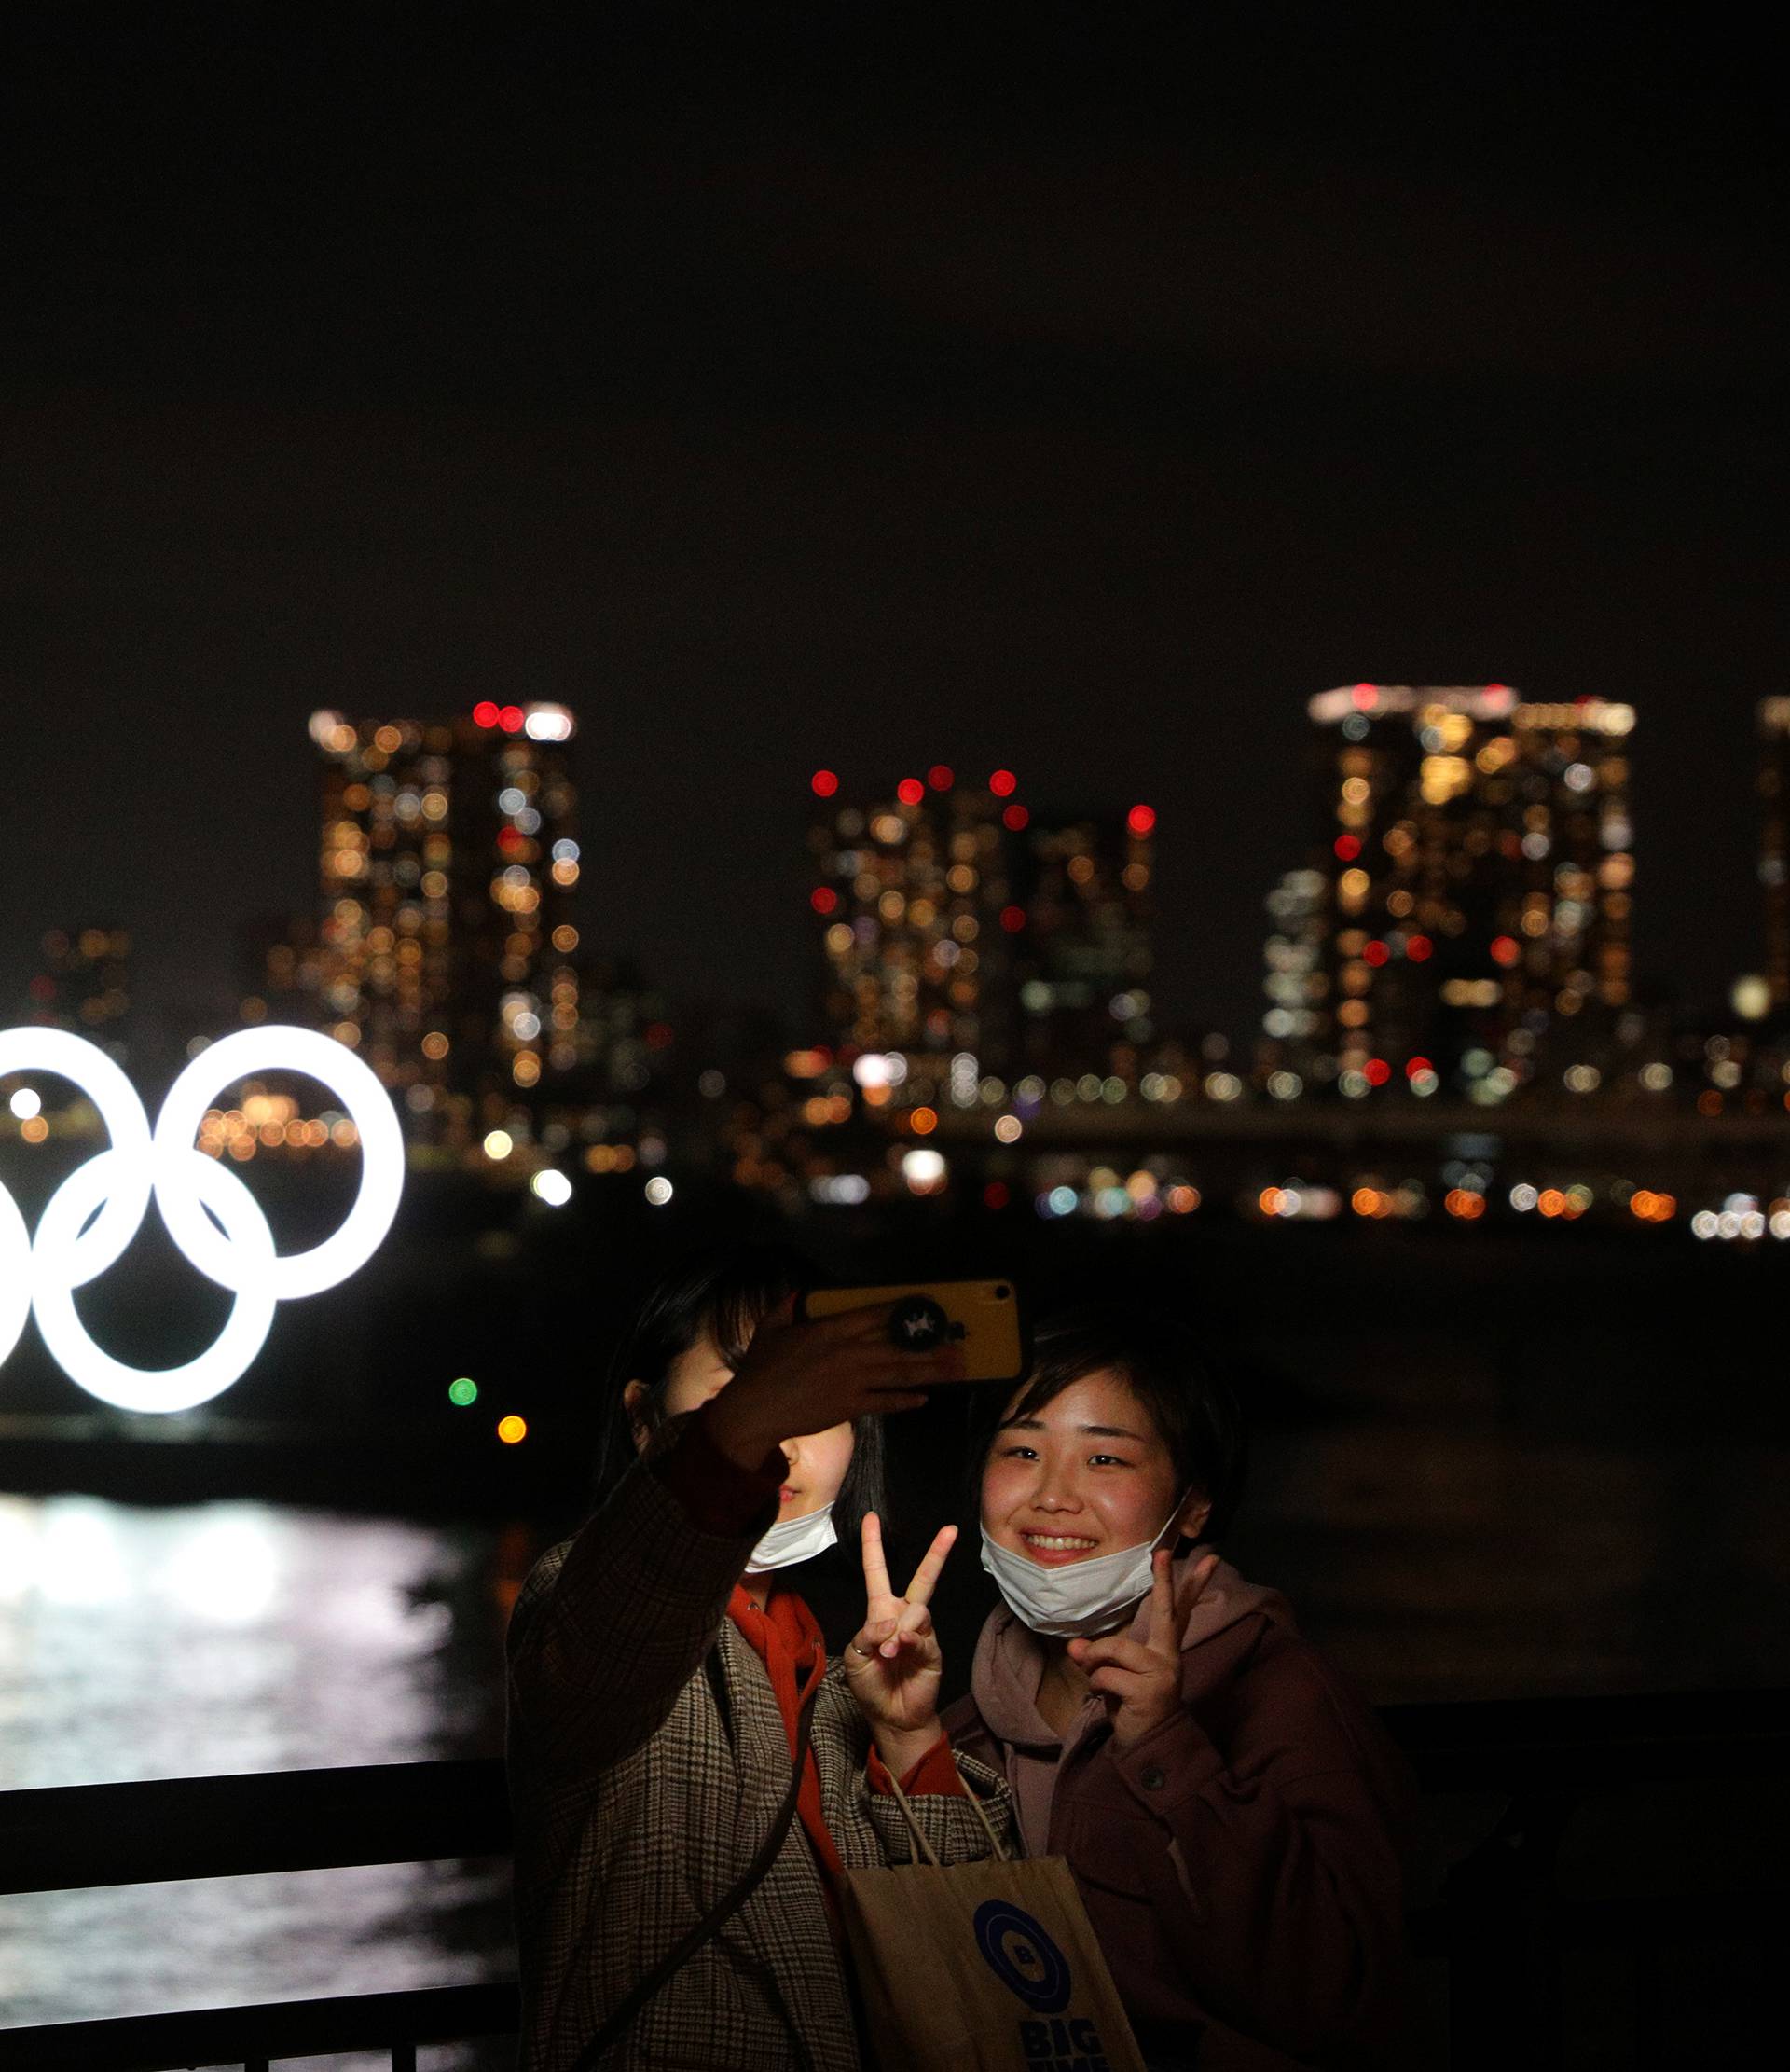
(793, 386)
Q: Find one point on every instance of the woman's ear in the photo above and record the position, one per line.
(1194, 1512)
(634, 1397)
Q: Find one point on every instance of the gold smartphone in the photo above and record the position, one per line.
(984, 1318)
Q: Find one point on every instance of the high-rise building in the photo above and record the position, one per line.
(445, 946)
(1471, 922)
(83, 984)
(1774, 843)
(914, 899)
(966, 936)
(1084, 954)
(1296, 981)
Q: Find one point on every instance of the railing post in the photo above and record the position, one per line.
(1504, 1970)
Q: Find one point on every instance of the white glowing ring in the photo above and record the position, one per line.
(88, 1067)
(15, 1272)
(225, 1360)
(42, 1273)
(353, 1083)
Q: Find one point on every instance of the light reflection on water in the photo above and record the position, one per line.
(230, 1638)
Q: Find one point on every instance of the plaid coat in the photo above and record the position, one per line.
(647, 1760)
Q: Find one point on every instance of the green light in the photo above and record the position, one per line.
(462, 1391)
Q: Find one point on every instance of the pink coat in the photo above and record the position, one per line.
(1241, 1865)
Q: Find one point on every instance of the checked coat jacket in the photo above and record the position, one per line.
(647, 1760)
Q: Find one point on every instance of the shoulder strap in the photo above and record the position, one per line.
(717, 1916)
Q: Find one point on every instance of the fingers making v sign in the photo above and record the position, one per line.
(1140, 1680)
(892, 1663)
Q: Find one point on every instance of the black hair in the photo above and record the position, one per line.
(724, 1293)
(1196, 1412)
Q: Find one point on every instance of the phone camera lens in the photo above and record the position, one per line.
(1002, 1292)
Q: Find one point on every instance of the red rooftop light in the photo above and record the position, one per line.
(823, 783)
(1141, 819)
(1505, 949)
(1418, 948)
(1013, 918)
(1347, 848)
(824, 899)
(1014, 817)
(1365, 697)
(910, 790)
(941, 777)
(510, 719)
(1378, 1072)
(1003, 783)
(484, 714)
(1376, 953)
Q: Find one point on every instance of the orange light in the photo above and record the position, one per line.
(1365, 1201)
(512, 1429)
(923, 1121)
(1268, 1201)
(1553, 1202)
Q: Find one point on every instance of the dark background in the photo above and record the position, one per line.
(1077, 388)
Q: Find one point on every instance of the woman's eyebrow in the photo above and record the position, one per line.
(1092, 1431)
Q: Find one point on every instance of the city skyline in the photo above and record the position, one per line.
(1175, 936)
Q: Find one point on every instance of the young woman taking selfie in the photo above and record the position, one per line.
(668, 1687)
(1229, 1807)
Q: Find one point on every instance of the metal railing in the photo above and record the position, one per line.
(1500, 1922)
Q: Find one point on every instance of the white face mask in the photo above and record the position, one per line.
(794, 1539)
(1074, 1598)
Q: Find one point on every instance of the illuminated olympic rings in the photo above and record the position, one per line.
(90, 1219)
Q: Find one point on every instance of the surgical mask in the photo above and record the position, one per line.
(794, 1539)
(1074, 1598)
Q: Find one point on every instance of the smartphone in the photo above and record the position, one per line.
(984, 1318)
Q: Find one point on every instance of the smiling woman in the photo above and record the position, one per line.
(1228, 1805)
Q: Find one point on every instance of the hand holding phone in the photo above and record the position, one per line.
(985, 1320)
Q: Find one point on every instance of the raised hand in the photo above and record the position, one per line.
(1140, 1680)
(802, 1377)
(893, 1664)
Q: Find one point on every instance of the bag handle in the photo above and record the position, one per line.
(717, 1916)
(919, 1833)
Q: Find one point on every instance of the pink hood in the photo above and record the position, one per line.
(1010, 1659)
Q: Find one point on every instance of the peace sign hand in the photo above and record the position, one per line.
(1141, 1680)
(893, 1664)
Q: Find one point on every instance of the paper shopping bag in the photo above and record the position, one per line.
(984, 1966)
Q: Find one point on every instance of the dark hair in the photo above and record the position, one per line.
(724, 1293)
(1194, 1410)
